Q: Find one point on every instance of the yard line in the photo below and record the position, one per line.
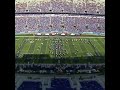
(36, 50)
(50, 49)
(20, 43)
(86, 48)
(61, 36)
(72, 47)
(96, 46)
(67, 48)
(17, 44)
(21, 47)
(86, 51)
(100, 46)
(90, 49)
(29, 48)
(41, 41)
(101, 41)
(24, 51)
(32, 46)
(35, 44)
(80, 47)
(46, 48)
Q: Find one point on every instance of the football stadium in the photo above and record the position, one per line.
(59, 44)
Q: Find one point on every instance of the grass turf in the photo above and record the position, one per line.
(60, 47)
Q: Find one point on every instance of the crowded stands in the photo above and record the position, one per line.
(60, 6)
(48, 17)
(56, 23)
(54, 69)
(32, 23)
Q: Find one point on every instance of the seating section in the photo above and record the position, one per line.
(49, 24)
(30, 85)
(60, 84)
(61, 89)
(61, 6)
(57, 23)
(90, 85)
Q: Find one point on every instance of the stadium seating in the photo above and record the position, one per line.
(43, 24)
(60, 84)
(20, 24)
(61, 6)
(60, 88)
(54, 68)
(20, 7)
(90, 85)
(30, 85)
(71, 20)
(49, 24)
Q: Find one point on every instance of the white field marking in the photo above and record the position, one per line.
(75, 47)
(69, 49)
(26, 51)
(51, 46)
(40, 46)
(100, 46)
(101, 41)
(34, 46)
(92, 41)
(29, 46)
(86, 49)
(81, 48)
(20, 42)
(60, 36)
(91, 49)
(46, 49)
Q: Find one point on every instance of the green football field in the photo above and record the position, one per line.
(60, 46)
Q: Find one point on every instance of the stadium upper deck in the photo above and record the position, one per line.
(60, 6)
(57, 23)
(47, 16)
